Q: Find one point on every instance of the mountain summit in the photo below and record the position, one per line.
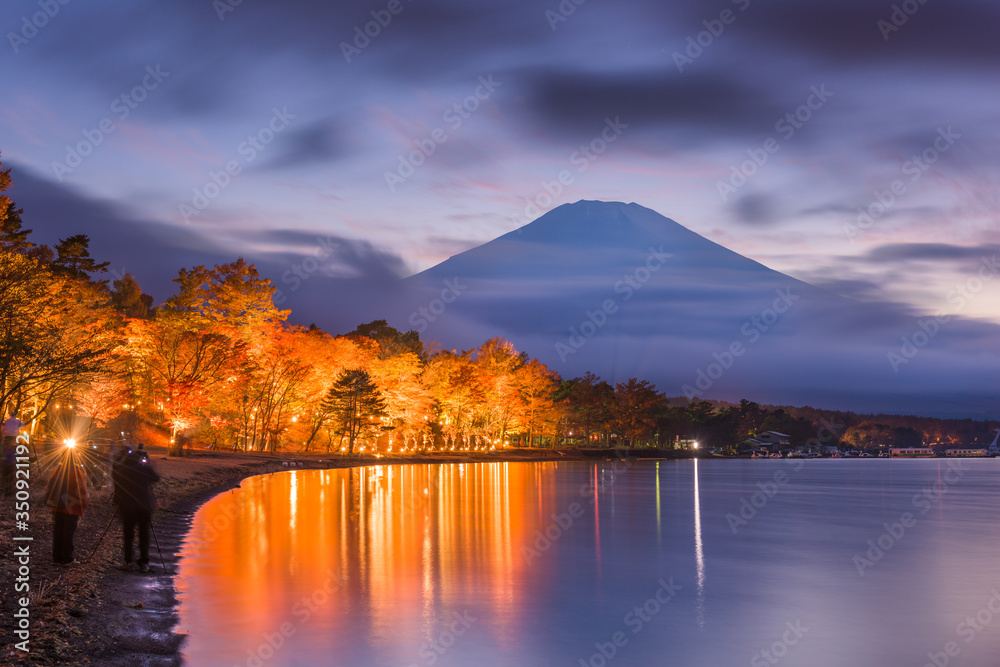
(623, 291)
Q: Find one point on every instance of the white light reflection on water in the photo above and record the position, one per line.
(699, 552)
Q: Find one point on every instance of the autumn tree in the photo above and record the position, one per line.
(101, 398)
(536, 388)
(55, 332)
(327, 357)
(273, 371)
(498, 362)
(127, 298)
(408, 402)
(181, 364)
(391, 342)
(587, 402)
(633, 412)
(455, 384)
(233, 294)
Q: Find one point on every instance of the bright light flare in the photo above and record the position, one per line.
(69, 442)
(695, 444)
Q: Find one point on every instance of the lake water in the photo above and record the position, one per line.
(881, 563)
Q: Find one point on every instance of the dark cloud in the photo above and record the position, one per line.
(755, 209)
(853, 288)
(338, 256)
(317, 143)
(573, 102)
(848, 31)
(153, 252)
(931, 252)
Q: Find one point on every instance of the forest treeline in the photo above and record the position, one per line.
(218, 362)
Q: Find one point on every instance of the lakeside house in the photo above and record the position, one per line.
(685, 444)
(966, 452)
(772, 440)
(911, 452)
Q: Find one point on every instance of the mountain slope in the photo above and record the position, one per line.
(622, 291)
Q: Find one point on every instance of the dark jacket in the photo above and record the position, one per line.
(133, 478)
(67, 488)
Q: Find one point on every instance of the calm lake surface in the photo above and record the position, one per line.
(694, 563)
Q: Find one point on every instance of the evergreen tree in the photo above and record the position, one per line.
(73, 258)
(12, 237)
(356, 404)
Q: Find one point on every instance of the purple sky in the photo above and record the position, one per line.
(199, 81)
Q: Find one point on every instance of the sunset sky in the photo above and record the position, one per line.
(311, 115)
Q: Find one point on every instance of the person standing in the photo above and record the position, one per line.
(66, 494)
(133, 478)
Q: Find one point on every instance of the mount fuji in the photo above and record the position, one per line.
(620, 290)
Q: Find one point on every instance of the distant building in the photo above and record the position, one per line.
(966, 452)
(770, 440)
(911, 451)
(775, 438)
(686, 444)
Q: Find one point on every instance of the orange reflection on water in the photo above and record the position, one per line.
(379, 556)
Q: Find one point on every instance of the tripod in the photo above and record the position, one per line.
(151, 530)
(101, 538)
